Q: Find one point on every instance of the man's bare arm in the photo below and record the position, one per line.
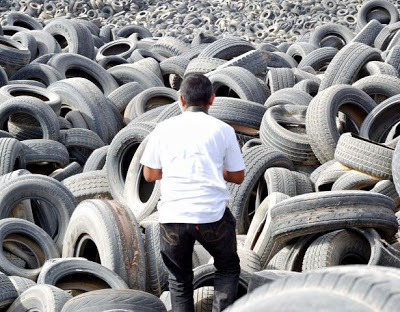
(151, 174)
(233, 176)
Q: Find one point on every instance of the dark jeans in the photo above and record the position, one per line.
(219, 238)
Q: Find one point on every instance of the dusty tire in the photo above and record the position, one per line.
(111, 229)
(322, 112)
(45, 298)
(365, 156)
(55, 270)
(257, 160)
(117, 300)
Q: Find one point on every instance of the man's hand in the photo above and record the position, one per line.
(151, 174)
(233, 176)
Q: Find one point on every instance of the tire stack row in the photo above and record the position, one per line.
(317, 122)
(280, 20)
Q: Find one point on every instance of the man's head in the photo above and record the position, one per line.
(196, 90)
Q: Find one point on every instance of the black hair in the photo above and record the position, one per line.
(196, 90)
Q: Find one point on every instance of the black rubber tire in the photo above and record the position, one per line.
(280, 180)
(280, 78)
(204, 276)
(72, 37)
(13, 54)
(70, 170)
(282, 127)
(290, 218)
(319, 59)
(380, 68)
(130, 73)
(28, 41)
(80, 143)
(242, 115)
(340, 247)
(256, 61)
(365, 156)
(203, 65)
(111, 61)
(45, 298)
(257, 224)
(38, 72)
(107, 232)
(227, 48)
(321, 116)
(143, 53)
(128, 30)
(3, 77)
(288, 96)
(39, 187)
(175, 65)
(329, 176)
(121, 96)
(171, 110)
(299, 291)
(52, 99)
(257, 160)
(393, 57)
(56, 271)
(121, 47)
(303, 181)
(35, 237)
(368, 33)
(258, 279)
(114, 300)
(168, 46)
(7, 291)
(345, 66)
(240, 81)
(46, 45)
(46, 57)
(308, 86)
(119, 157)
(36, 108)
(362, 15)
(376, 126)
(88, 185)
(23, 20)
(70, 65)
(300, 50)
(148, 100)
(21, 284)
(12, 155)
(344, 34)
(249, 260)
(290, 257)
(387, 187)
(379, 87)
(45, 151)
(97, 159)
(157, 273)
(355, 180)
(76, 119)
(138, 194)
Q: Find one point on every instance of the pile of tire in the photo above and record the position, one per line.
(318, 124)
(254, 21)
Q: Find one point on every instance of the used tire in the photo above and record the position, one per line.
(322, 111)
(106, 232)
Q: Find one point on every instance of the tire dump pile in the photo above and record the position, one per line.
(312, 90)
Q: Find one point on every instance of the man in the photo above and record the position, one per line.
(195, 154)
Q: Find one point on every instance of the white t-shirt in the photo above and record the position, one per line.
(191, 150)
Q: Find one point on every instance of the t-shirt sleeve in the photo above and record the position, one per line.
(233, 160)
(151, 155)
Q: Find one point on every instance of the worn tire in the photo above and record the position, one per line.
(112, 230)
